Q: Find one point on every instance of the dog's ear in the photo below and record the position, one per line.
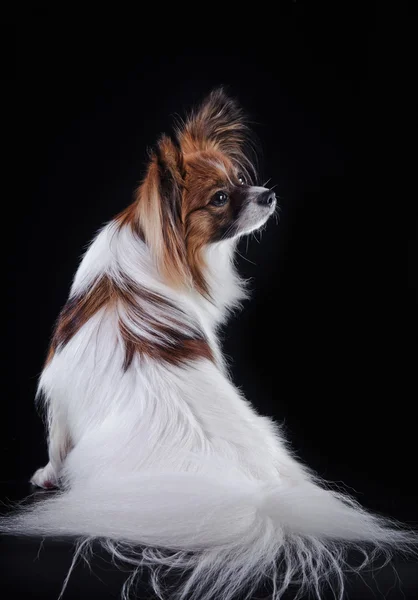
(160, 211)
(218, 124)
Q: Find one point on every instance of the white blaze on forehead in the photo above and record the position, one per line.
(255, 190)
(219, 166)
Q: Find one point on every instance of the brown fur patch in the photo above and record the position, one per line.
(207, 173)
(77, 311)
(170, 344)
(159, 207)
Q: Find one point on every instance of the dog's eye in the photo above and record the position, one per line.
(219, 199)
(241, 179)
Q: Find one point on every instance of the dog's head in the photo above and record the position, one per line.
(199, 190)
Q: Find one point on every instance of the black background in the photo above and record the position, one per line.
(327, 344)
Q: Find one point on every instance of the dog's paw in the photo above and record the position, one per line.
(45, 478)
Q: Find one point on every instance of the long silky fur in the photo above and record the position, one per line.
(161, 459)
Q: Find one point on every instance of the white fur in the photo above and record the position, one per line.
(167, 459)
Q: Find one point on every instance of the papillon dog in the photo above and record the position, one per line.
(153, 450)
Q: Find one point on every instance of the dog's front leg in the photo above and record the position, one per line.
(59, 444)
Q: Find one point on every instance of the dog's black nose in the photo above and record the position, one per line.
(266, 198)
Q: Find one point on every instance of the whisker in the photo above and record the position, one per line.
(245, 258)
(227, 232)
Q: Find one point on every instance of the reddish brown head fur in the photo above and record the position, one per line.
(172, 208)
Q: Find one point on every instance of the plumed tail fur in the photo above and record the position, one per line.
(223, 537)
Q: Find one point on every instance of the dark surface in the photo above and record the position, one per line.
(327, 344)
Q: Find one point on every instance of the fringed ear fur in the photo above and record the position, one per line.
(160, 212)
(218, 124)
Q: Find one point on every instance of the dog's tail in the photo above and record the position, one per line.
(224, 537)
